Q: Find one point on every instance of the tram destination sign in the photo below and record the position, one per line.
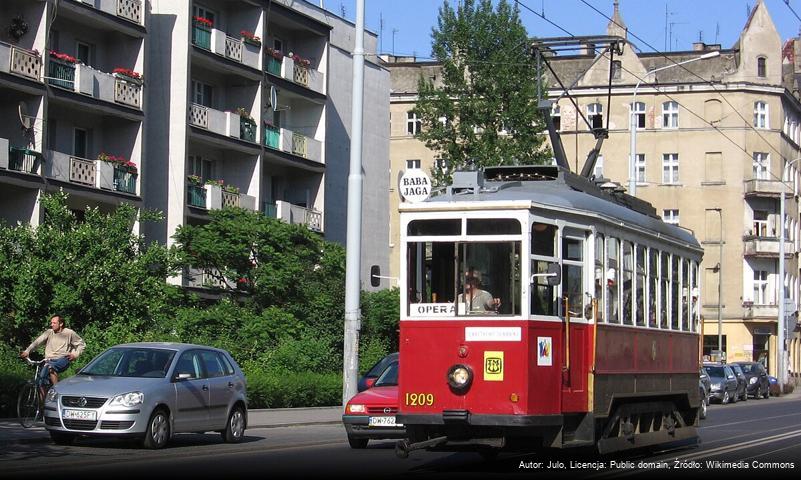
(415, 185)
(432, 310)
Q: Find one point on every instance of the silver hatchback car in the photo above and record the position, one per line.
(151, 391)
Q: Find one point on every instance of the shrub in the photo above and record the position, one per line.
(271, 389)
(13, 373)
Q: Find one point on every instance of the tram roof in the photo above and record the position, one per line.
(554, 188)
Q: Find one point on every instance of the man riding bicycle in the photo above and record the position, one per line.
(62, 347)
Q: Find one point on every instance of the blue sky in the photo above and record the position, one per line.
(412, 20)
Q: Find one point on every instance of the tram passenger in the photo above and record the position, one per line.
(478, 299)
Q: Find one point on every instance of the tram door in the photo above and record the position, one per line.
(576, 311)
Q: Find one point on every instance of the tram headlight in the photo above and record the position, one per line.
(460, 377)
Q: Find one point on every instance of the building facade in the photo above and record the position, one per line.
(716, 142)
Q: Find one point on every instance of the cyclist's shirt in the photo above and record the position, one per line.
(58, 344)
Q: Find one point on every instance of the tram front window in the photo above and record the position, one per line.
(464, 278)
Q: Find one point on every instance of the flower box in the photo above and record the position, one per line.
(128, 75)
(250, 37)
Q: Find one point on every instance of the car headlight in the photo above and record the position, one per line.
(130, 399)
(460, 377)
(715, 386)
(52, 395)
(753, 380)
(355, 408)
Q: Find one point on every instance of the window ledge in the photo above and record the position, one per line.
(716, 182)
(671, 184)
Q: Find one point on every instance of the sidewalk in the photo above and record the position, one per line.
(12, 432)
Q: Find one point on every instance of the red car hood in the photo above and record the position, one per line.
(378, 396)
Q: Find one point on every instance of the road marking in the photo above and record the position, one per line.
(761, 419)
(739, 446)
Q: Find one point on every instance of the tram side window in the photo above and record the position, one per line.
(674, 297)
(694, 293)
(543, 296)
(612, 280)
(664, 298)
(653, 287)
(572, 281)
(628, 303)
(685, 295)
(642, 301)
(599, 276)
(491, 282)
(430, 272)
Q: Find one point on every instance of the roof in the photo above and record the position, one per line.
(559, 189)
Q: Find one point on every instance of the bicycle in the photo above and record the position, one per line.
(30, 404)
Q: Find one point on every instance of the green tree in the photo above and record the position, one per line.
(485, 111)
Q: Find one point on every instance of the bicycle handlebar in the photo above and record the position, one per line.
(35, 362)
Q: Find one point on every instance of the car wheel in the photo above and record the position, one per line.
(733, 398)
(357, 443)
(158, 430)
(767, 393)
(61, 438)
(235, 428)
(725, 398)
(702, 410)
(745, 396)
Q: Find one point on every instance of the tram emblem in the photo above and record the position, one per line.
(493, 366)
(544, 352)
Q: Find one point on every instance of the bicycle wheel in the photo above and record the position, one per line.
(28, 405)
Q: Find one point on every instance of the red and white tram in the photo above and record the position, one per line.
(539, 310)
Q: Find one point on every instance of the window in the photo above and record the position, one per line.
(760, 223)
(595, 115)
(201, 167)
(543, 253)
(670, 115)
(202, 94)
(761, 115)
(761, 165)
(80, 143)
(617, 69)
(188, 363)
(572, 278)
(278, 44)
(83, 52)
(556, 117)
(640, 168)
(638, 112)
(653, 287)
(598, 171)
(762, 67)
(685, 295)
(761, 287)
(675, 306)
(201, 11)
(664, 297)
(413, 124)
(412, 164)
(670, 216)
(211, 362)
(612, 280)
(599, 276)
(641, 304)
(628, 277)
(670, 168)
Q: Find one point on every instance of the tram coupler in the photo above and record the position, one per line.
(403, 447)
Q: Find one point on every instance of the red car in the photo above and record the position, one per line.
(370, 415)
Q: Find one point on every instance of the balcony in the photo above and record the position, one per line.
(203, 278)
(762, 188)
(287, 141)
(91, 173)
(228, 124)
(214, 197)
(130, 10)
(19, 159)
(80, 78)
(304, 76)
(294, 214)
(755, 311)
(19, 61)
(216, 41)
(766, 247)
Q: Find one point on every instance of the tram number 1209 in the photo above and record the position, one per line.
(420, 399)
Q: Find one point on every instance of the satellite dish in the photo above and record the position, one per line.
(25, 119)
(274, 100)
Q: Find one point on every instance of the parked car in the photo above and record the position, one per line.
(742, 382)
(724, 382)
(705, 386)
(370, 415)
(370, 377)
(151, 391)
(757, 378)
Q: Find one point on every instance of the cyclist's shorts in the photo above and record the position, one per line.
(57, 364)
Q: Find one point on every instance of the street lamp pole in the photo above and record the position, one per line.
(720, 284)
(633, 118)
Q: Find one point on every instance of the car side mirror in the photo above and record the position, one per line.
(370, 381)
(183, 376)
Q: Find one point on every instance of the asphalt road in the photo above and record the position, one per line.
(754, 439)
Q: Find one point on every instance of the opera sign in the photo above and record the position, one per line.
(415, 185)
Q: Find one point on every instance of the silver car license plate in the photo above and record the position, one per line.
(80, 415)
(383, 422)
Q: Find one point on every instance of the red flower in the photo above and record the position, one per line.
(127, 73)
(203, 21)
(250, 36)
(276, 54)
(63, 57)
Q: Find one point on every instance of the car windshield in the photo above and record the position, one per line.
(737, 369)
(715, 372)
(131, 362)
(748, 368)
(380, 366)
(389, 377)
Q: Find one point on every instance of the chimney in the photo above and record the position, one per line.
(699, 47)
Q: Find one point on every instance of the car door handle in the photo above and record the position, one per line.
(230, 384)
(205, 388)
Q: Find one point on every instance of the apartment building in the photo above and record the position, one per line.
(73, 104)
(717, 141)
(255, 96)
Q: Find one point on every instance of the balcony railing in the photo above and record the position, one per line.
(19, 61)
(83, 171)
(272, 137)
(299, 74)
(269, 209)
(247, 129)
(124, 181)
(201, 35)
(203, 278)
(751, 310)
(196, 196)
(130, 10)
(23, 160)
(273, 66)
(233, 48)
(766, 247)
(199, 115)
(61, 74)
(763, 188)
(296, 214)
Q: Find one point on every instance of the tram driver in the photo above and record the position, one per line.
(478, 300)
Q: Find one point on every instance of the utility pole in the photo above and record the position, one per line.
(353, 314)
